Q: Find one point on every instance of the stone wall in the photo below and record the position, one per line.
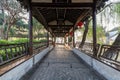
(105, 70)
(17, 72)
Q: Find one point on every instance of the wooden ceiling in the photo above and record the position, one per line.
(59, 16)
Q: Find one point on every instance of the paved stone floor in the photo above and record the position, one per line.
(61, 64)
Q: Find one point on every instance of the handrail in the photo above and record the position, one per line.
(37, 45)
(111, 52)
(10, 52)
(1, 45)
(105, 53)
(88, 48)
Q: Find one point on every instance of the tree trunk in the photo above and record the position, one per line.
(84, 34)
(6, 35)
(117, 41)
(3, 26)
(7, 31)
(1, 33)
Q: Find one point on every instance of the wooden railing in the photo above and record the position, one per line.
(12, 51)
(50, 42)
(109, 54)
(88, 48)
(38, 46)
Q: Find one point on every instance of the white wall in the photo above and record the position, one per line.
(105, 70)
(17, 72)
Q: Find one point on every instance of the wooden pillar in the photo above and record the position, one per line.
(94, 30)
(64, 40)
(69, 39)
(30, 44)
(54, 41)
(47, 39)
(73, 36)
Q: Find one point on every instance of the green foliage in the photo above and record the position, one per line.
(4, 42)
(20, 40)
(21, 24)
(99, 32)
(11, 15)
(89, 35)
(38, 29)
(1, 18)
(12, 31)
(117, 8)
(10, 55)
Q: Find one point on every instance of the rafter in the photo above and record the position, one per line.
(85, 13)
(61, 25)
(63, 5)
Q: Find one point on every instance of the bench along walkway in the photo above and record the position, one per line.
(61, 64)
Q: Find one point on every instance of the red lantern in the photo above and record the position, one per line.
(80, 24)
(71, 33)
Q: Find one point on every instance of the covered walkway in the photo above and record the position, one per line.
(61, 64)
(60, 18)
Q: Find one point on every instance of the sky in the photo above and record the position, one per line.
(114, 0)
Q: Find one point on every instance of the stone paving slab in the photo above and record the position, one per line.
(61, 64)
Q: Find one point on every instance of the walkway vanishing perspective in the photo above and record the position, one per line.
(61, 64)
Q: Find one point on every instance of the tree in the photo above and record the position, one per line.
(38, 29)
(110, 53)
(117, 10)
(14, 12)
(2, 22)
(84, 34)
(110, 16)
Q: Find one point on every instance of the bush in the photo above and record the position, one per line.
(21, 40)
(4, 42)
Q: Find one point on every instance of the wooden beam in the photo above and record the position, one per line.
(47, 39)
(84, 13)
(61, 35)
(57, 15)
(94, 30)
(60, 32)
(40, 18)
(63, 5)
(61, 28)
(60, 25)
(73, 36)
